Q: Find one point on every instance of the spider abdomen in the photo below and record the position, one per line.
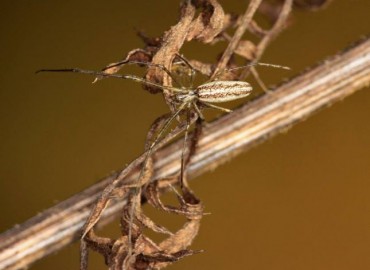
(222, 91)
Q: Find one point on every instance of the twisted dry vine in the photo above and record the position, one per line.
(205, 28)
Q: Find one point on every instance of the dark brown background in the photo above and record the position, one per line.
(299, 201)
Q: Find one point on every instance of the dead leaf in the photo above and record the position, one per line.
(209, 23)
(246, 49)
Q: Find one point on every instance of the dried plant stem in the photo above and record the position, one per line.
(223, 139)
(270, 35)
(245, 22)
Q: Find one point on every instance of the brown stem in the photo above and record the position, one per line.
(233, 133)
(271, 34)
(244, 24)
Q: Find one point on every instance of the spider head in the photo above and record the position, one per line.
(186, 97)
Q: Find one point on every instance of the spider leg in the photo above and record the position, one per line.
(253, 64)
(156, 125)
(192, 147)
(245, 72)
(119, 76)
(136, 191)
(216, 107)
(259, 80)
(199, 112)
(164, 128)
(193, 70)
(184, 146)
(148, 64)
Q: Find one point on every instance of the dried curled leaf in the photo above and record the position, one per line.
(209, 23)
(257, 30)
(106, 196)
(246, 49)
(136, 55)
(140, 218)
(142, 252)
(173, 40)
(203, 68)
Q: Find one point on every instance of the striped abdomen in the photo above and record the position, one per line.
(222, 91)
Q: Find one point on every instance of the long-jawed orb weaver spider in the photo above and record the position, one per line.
(184, 99)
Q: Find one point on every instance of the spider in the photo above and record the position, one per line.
(191, 100)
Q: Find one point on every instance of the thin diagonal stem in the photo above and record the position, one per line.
(245, 21)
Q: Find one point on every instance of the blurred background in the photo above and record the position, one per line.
(298, 201)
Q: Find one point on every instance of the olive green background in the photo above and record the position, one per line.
(298, 201)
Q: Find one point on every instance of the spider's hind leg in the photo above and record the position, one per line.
(209, 105)
(192, 147)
